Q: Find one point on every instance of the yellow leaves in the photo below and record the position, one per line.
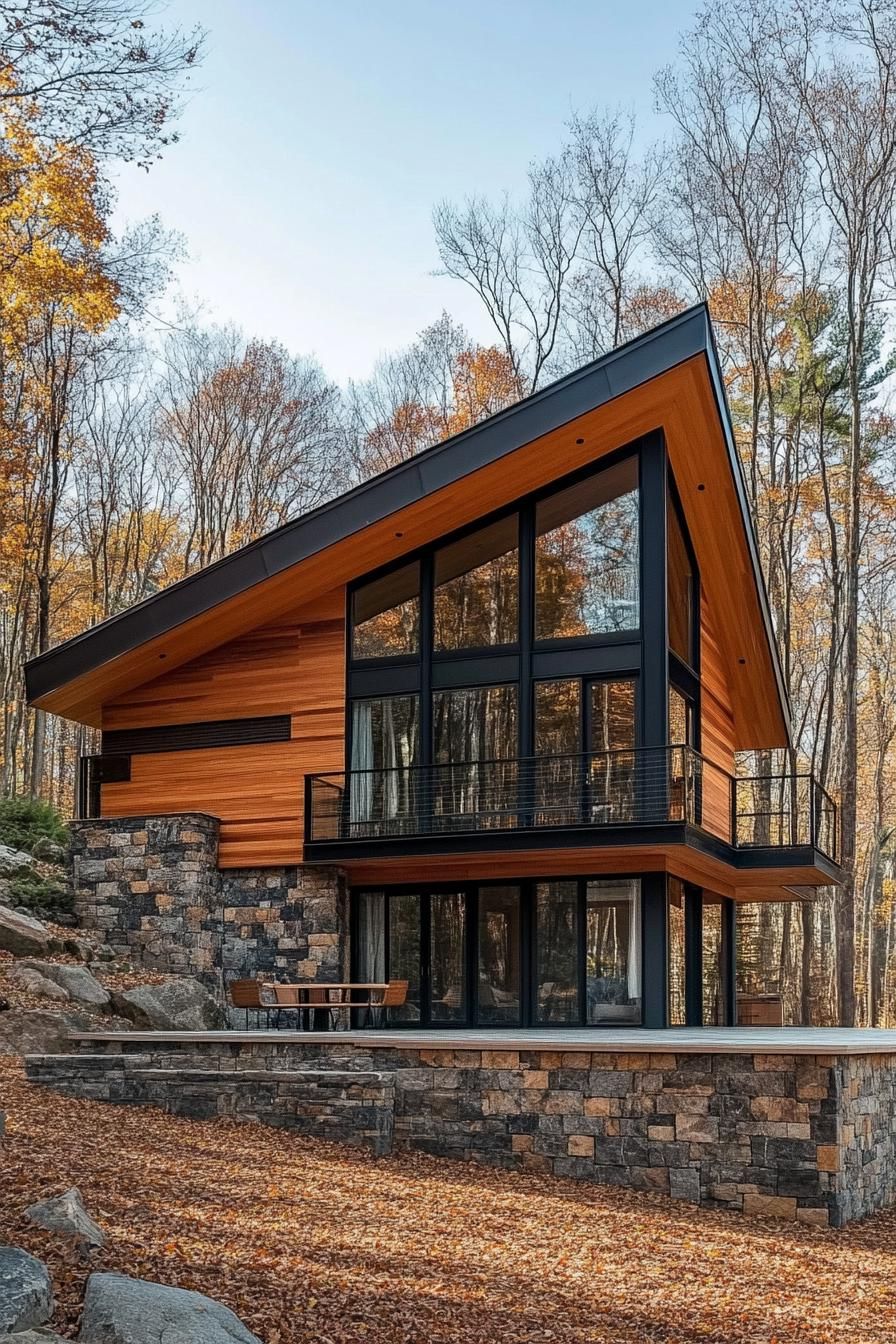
(52, 234)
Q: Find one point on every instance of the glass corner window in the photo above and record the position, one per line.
(681, 588)
(386, 615)
(587, 556)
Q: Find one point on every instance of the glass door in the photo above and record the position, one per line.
(610, 742)
(499, 956)
(447, 956)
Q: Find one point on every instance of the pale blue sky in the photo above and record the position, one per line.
(320, 133)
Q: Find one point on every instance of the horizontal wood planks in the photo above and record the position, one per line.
(716, 728)
(296, 667)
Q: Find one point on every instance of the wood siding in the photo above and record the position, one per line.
(296, 667)
(717, 733)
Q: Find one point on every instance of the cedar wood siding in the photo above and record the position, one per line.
(295, 666)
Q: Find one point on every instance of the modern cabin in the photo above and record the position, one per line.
(498, 694)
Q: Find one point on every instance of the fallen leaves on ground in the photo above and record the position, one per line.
(312, 1241)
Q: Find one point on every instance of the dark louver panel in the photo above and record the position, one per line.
(190, 736)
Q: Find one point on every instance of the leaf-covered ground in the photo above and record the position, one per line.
(309, 1241)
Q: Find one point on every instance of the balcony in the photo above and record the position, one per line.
(668, 795)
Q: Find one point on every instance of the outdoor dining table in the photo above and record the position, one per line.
(319, 1000)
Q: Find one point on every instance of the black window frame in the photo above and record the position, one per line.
(614, 655)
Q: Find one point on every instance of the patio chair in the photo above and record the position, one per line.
(246, 994)
(394, 996)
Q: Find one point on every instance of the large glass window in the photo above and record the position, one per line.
(587, 556)
(386, 615)
(611, 742)
(677, 954)
(370, 951)
(384, 745)
(499, 955)
(404, 953)
(680, 583)
(613, 951)
(447, 923)
(714, 981)
(558, 772)
(477, 589)
(557, 952)
(475, 724)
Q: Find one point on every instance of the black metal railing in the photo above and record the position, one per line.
(647, 786)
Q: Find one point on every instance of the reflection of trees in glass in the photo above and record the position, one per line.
(447, 947)
(477, 589)
(499, 954)
(386, 615)
(475, 733)
(587, 557)
(676, 954)
(385, 736)
(404, 952)
(713, 970)
(557, 951)
(612, 736)
(680, 582)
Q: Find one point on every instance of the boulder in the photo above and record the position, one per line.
(13, 860)
(79, 947)
(32, 1337)
(66, 1215)
(31, 980)
(176, 1005)
(39, 1031)
(76, 980)
(20, 934)
(26, 1293)
(119, 1310)
(49, 851)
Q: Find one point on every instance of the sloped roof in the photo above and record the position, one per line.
(614, 375)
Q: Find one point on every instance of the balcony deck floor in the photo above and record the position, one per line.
(635, 1040)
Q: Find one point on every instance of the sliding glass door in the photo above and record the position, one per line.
(549, 952)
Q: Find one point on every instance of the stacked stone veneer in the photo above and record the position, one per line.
(152, 886)
(801, 1137)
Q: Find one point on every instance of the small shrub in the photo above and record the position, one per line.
(42, 895)
(24, 821)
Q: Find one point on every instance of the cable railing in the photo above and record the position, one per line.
(647, 786)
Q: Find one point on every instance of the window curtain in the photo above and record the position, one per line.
(393, 760)
(372, 937)
(634, 943)
(361, 787)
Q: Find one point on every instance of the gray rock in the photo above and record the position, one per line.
(49, 851)
(32, 1337)
(13, 861)
(20, 934)
(31, 980)
(39, 1031)
(77, 980)
(118, 1310)
(67, 1215)
(79, 947)
(26, 1293)
(176, 1005)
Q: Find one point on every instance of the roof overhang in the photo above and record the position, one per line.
(668, 379)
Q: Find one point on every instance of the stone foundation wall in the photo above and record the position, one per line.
(800, 1137)
(152, 886)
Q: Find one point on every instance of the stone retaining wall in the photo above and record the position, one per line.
(355, 1107)
(152, 886)
(801, 1137)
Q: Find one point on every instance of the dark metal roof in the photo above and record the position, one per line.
(620, 371)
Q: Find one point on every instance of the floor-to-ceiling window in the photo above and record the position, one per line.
(451, 674)
(562, 951)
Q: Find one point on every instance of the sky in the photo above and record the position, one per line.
(319, 134)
